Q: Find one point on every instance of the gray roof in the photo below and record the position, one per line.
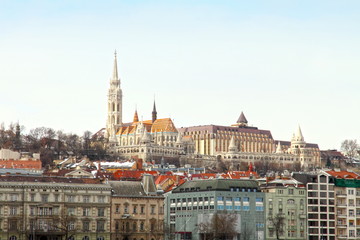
(216, 185)
(127, 188)
(242, 118)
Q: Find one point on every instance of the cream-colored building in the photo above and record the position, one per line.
(47, 208)
(287, 154)
(137, 210)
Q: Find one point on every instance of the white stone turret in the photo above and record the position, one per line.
(114, 116)
(278, 148)
(232, 145)
(145, 137)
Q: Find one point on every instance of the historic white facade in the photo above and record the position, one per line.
(286, 153)
(114, 115)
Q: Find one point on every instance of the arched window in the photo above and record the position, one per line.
(12, 238)
(86, 238)
(100, 238)
(290, 201)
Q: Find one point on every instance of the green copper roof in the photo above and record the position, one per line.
(216, 185)
(353, 183)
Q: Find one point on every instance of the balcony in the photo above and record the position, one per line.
(302, 215)
(341, 195)
(341, 225)
(342, 236)
(341, 215)
(341, 205)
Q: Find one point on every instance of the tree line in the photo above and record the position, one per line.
(52, 144)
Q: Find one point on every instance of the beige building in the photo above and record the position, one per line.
(47, 208)
(287, 154)
(137, 210)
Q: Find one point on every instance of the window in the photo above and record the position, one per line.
(291, 191)
(142, 209)
(117, 209)
(101, 212)
(56, 197)
(86, 211)
(71, 211)
(71, 198)
(71, 225)
(245, 199)
(32, 197)
(259, 200)
(246, 208)
(86, 199)
(100, 226)
(13, 225)
(259, 208)
(135, 209)
(13, 210)
(86, 226)
(134, 227)
(126, 208)
(44, 198)
(101, 199)
(12, 238)
(86, 238)
(152, 209)
(142, 226)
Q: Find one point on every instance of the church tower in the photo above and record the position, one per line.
(114, 115)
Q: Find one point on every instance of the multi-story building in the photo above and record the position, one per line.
(286, 205)
(347, 202)
(190, 204)
(137, 210)
(242, 143)
(215, 139)
(320, 204)
(46, 208)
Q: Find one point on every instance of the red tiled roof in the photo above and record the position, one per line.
(343, 174)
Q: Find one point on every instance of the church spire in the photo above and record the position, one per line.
(115, 70)
(154, 113)
(136, 117)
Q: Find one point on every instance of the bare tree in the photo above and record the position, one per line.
(65, 223)
(278, 223)
(350, 148)
(221, 226)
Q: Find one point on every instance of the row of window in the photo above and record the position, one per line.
(211, 199)
(135, 209)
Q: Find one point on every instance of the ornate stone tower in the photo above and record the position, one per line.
(114, 115)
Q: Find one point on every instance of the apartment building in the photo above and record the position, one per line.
(347, 201)
(137, 210)
(320, 204)
(47, 208)
(286, 204)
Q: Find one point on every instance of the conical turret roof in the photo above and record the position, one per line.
(136, 117)
(242, 119)
(299, 136)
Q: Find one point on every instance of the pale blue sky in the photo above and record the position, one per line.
(283, 63)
